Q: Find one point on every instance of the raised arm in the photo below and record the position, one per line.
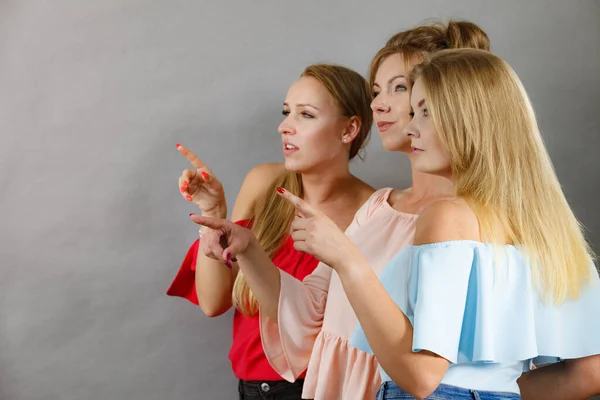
(214, 278)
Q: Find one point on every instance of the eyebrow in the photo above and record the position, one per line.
(391, 79)
(302, 105)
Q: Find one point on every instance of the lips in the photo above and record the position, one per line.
(384, 125)
(416, 149)
(289, 148)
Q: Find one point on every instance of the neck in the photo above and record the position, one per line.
(428, 186)
(322, 187)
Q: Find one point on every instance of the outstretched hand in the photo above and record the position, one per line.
(200, 186)
(223, 240)
(314, 233)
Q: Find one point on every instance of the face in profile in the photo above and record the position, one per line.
(391, 103)
(428, 154)
(312, 128)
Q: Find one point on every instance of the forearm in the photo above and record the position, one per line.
(577, 379)
(390, 333)
(262, 277)
(214, 281)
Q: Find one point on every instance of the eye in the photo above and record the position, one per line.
(400, 88)
(375, 94)
(285, 113)
(306, 115)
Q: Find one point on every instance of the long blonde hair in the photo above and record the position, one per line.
(272, 216)
(486, 123)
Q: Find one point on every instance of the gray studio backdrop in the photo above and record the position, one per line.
(95, 94)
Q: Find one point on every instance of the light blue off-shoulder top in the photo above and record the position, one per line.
(475, 304)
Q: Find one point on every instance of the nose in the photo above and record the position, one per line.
(378, 105)
(411, 130)
(286, 127)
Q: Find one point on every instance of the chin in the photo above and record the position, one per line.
(293, 166)
(397, 146)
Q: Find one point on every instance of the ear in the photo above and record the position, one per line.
(352, 129)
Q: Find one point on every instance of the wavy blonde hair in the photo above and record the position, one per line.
(273, 216)
(416, 43)
(486, 123)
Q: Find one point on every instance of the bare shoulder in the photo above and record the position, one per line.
(364, 191)
(257, 181)
(444, 220)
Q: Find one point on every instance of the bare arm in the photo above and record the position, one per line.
(214, 281)
(263, 277)
(576, 379)
(388, 330)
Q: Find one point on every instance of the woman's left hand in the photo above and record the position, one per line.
(314, 233)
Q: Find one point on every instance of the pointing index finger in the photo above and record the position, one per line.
(192, 158)
(297, 202)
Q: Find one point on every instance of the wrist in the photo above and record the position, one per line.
(219, 212)
(251, 251)
(352, 266)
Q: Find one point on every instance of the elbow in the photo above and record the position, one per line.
(212, 311)
(419, 385)
(214, 307)
(423, 390)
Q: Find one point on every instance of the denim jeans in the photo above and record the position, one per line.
(389, 391)
(270, 390)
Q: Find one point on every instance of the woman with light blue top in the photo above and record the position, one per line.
(497, 277)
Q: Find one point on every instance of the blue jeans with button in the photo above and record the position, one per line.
(389, 391)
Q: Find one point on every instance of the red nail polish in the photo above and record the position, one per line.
(228, 264)
(188, 198)
(280, 190)
(234, 259)
(205, 175)
(182, 189)
(192, 214)
(228, 257)
(177, 145)
(185, 184)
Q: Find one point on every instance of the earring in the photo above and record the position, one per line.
(345, 140)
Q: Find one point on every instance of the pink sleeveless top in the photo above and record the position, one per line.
(316, 320)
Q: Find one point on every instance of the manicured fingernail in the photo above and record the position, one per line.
(205, 175)
(228, 265)
(280, 190)
(188, 198)
(182, 189)
(228, 257)
(233, 259)
(185, 184)
(177, 145)
(192, 214)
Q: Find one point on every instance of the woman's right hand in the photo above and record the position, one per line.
(200, 186)
(223, 239)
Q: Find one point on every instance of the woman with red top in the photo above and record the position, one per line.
(327, 120)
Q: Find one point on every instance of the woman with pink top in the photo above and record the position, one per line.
(306, 325)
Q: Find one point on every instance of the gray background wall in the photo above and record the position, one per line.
(93, 98)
